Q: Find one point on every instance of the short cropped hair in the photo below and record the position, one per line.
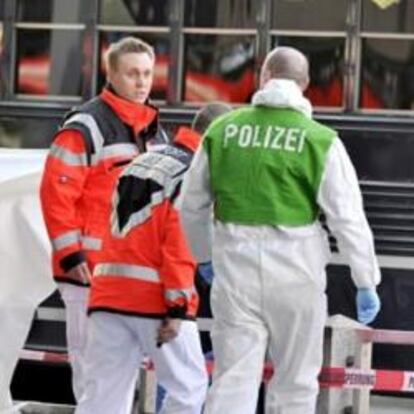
(207, 114)
(287, 63)
(126, 45)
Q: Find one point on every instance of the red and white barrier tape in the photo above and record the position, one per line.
(44, 356)
(330, 377)
(376, 380)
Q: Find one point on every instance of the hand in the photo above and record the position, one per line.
(81, 273)
(368, 305)
(168, 330)
(206, 272)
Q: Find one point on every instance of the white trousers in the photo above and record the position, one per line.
(75, 299)
(267, 295)
(115, 348)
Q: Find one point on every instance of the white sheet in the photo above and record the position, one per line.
(25, 269)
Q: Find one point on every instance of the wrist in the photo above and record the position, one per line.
(72, 260)
(176, 312)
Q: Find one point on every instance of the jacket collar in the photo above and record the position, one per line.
(283, 93)
(188, 138)
(135, 115)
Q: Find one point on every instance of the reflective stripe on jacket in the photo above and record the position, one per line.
(147, 268)
(87, 155)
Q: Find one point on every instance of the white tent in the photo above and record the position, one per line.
(25, 268)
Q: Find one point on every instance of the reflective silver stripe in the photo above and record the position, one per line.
(162, 166)
(96, 135)
(91, 243)
(155, 147)
(65, 240)
(119, 150)
(174, 294)
(127, 270)
(67, 156)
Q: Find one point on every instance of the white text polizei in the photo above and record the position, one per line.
(272, 137)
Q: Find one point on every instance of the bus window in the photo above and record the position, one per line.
(219, 67)
(318, 15)
(48, 62)
(134, 12)
(50, 11)
(387, 74)
(397, 18)
(220, 13)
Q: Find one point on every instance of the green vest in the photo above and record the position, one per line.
(266, 166)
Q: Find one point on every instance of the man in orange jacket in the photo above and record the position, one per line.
(143, 299)
(86, 157)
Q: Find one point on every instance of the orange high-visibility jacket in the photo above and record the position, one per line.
(86, 157)
(147, 268)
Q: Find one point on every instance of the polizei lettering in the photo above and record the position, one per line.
(270, 137)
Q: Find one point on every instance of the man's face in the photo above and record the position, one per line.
(133, 76)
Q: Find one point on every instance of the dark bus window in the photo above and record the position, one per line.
(220, 13)
(326, 59)
(396, 18)
(2, 80)
(387, 74)
(1, 37)
(309, 15)
(160, 43)
(27, 132)
(219, 68)
(49, 62)
(134, 12)
(50, 11)
(1, 24)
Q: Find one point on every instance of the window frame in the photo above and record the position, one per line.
(354, 36)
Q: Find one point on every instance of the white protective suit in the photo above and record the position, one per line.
(116, 345)
(269, 286)
(25, 276)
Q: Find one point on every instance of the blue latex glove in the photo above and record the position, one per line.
(205, 270)
(368, 305)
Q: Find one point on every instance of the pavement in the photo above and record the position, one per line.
(379, 405)
(391, 405)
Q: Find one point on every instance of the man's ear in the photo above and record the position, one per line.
(108, 76)
(304, 84)
(264, 77)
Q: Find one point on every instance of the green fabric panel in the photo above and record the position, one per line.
(266, 166)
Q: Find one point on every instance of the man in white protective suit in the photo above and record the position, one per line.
(268, 170)
(25, 276)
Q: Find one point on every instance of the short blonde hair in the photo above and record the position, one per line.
(126, 45)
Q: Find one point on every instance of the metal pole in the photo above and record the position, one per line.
(352, 69)
(175, 72)
(263, 32)
(8, 57)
